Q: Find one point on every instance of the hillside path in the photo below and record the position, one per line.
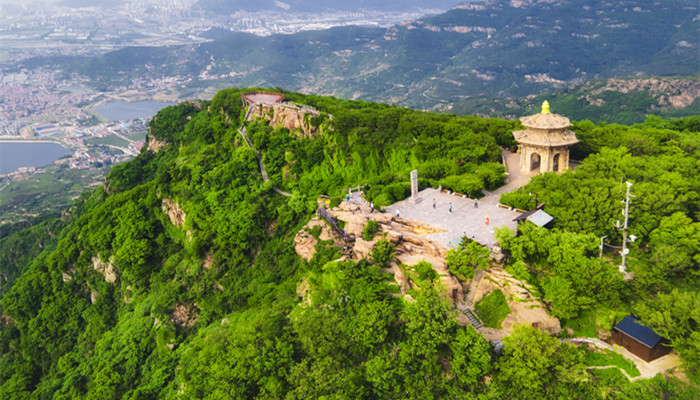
(647, 370)
(263, 172)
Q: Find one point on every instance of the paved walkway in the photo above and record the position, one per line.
(465, 219)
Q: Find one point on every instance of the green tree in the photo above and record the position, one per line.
(465, 260)
(675, 249)
(675, 316)
(471, 361)
(562, 297)
(535, 365)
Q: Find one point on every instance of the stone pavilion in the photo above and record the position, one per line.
(544, 145)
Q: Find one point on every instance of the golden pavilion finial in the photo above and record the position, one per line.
(545, 107)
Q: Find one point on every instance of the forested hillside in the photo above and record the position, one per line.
(179, 279)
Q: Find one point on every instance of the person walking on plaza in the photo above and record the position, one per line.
(433, 202)
(486, 220)
(397, 213)
(371, 207)
(450, 208)
(476, 203)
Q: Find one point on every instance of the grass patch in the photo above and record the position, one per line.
(594, 358)
(584, 325)
(137, 135)
(492, 309)
(610, 377)
(111, 140)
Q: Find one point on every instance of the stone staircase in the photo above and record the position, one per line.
(472, 318)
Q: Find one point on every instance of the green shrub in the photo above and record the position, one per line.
(519, 270)
(518, 199)
(468, 184)
(492, 309)
(373, 192)
(433, 169)
(382, 253)
(335, 200)
(371, 228)
(493, 175)
(383, 200)
(398, 190)
(316, 231)
(425, 271)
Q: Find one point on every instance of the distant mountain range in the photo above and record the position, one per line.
(617, 100)
(494, 49)
(313, 6)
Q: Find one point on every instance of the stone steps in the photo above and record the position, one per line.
(472, 318)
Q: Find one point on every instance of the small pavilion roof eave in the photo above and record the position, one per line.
(538, 138)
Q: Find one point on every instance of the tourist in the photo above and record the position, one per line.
(433, 203)
(397, 213)
(486, 220)
(450, 208)
(476, 203)
(371, 207)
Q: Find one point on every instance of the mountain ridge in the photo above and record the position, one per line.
(500, 48)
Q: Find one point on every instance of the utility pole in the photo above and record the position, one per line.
(601, 246)
(624, 228)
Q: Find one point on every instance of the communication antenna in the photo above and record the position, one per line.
(626, 212)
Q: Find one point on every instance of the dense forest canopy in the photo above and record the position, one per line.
(179, 278)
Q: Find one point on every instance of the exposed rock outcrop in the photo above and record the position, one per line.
(155, 145)
(670, 93)
(105, 268)
(411, 247)
(174, 212)
(294, 118)
(184, 315)
(526, 309)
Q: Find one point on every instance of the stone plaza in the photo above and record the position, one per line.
(465, 219)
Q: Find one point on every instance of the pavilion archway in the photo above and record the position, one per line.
(555, 162)
(535, 160)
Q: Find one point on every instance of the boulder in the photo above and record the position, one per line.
(363, 247)
(174, 212)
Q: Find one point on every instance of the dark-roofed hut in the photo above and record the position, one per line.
(640, 340)
(537, 216)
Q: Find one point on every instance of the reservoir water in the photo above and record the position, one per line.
(124, 110)
(16, 155)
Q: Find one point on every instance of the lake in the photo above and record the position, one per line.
(124, 110)
(16, 155)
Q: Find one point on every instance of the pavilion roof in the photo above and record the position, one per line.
(545, 138)
(546, 121)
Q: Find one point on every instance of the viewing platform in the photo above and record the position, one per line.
(268, 98)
